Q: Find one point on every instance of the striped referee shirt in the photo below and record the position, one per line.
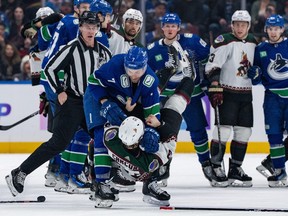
(77, 61)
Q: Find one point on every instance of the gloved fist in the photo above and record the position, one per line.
(215, 94)
(44, 104)
(173, 59)
(150, 141)
(254, 73)
(112, 112)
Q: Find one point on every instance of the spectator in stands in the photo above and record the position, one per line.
(119, 11)
(258, 28)
(11, 62)
(4, 19)
(54, 5)
(285, 17)
(259, 9)
(8, 7)
(25, 49)
(194, 12)
(221, 13)
(66, 7)
(156, 34)
(160, 9)
(2, 36)
(25, 70)
(15, 27)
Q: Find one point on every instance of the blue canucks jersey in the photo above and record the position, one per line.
(111, 81)
(158, 55)
(273, 61)
(45, 34)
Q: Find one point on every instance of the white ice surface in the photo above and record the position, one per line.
(187, 187)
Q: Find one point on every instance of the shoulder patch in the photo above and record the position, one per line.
(148, 81)
(158, 57)
(150, 46)
(153, 165)
(76, 21)
(110, 134)
(219, 39)
(188, 35)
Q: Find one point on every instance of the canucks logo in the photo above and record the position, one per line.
(278, 68)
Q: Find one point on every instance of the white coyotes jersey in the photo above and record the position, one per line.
(233, 57)
(117, 44)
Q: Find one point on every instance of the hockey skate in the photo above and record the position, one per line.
(119, 180)
(220, 179)
(62, 183)
(78, 184)
(208, 170)
(94, 187)
(237, 177)
(51, 179)
(104, 196)
(154, 195)
(266, 168)
(278, 179)
(15, 181)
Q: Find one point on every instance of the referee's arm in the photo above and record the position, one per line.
(56, 63)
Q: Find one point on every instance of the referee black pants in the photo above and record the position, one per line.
(67, 120)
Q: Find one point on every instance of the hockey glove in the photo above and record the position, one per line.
(28, 31)
(254, 73)
(44, 104)
(173, 59)
(150, 141)
(215, 95)
(112, 113)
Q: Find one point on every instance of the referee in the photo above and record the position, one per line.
(79, 58)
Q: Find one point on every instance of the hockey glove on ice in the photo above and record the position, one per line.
(112, 112)
(150, 141)
(44, 104)
(215, 95)
(254, 73)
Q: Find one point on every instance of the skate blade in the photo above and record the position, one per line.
(10, 185)
(93, 198)
(100, 203)
(278, 184)
(61, 190)
(263, 171)
(154, 201)
(223, 184)
(238, 183)
(78, 190)
(49, 183)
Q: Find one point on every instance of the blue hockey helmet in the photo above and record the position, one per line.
(274, 20)
(101, 6)
(171, 18)
(136, 58)
(78, 2)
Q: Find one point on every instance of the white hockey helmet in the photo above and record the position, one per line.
(44, 11)
(133, 14)
(241, 15)
(131, 131)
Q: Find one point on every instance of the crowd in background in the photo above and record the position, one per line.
(207, 18)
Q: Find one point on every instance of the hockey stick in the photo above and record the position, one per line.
(219, 134)
(39, 200)
(7, 127)
(223, 209)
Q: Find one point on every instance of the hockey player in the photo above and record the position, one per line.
(192, 50)
(121, 40)
(125, 84)
(230, 93)
(79, 59)
(270, 67)
(124, 147)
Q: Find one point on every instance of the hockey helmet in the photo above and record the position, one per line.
(274, 20)
(133, 14)
(43, 11)
(101, 6)
(136, 58)
(89, 17)
(131, 131)
(78, 2)
(241, 15)
(171, 18)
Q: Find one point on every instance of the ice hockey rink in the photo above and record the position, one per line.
(187, 187)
